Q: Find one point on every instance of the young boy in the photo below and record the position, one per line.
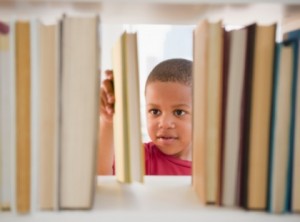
(168, 94)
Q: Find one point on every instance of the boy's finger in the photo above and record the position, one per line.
(108, 90)
(109, 74)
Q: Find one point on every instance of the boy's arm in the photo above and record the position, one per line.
(105, 147)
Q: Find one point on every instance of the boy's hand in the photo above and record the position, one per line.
(107, 97)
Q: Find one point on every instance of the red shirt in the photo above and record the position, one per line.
(158, 163)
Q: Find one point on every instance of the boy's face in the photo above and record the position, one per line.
(169, 117)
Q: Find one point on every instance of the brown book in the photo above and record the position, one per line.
(226, 53)
(23, 116)
(129, 151)
(260, 117)
(79, 117)
(242, 180)
(48, 113)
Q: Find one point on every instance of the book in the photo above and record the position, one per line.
(214, 110)
(281, 129)
(12, 92)
(236, 67)
(129, 150)
(6, 121)
(200, 51)
(295, 203)
(78, 112)
(245, 118)
(23, 127)
(260, 115)
(294, 35)
(226, 53)
(207, 89)
(48, 104)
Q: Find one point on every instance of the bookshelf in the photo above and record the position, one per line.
(164, 198)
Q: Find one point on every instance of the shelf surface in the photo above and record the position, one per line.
(169, 198)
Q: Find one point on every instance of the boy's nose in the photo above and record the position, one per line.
(166, 122)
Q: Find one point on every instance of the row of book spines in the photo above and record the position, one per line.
(243, 197)
(22, 31)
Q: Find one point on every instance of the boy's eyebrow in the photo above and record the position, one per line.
(152, 104)
(181, 105)
(174, 106)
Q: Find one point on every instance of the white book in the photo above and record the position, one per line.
(12, 90)
(237, 54)
(5, 121)
(34, 115)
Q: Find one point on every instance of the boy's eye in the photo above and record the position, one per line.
(154, 112)
(179, 112)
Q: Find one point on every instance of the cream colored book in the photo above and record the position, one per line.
(213, 105)
(129, 151)
(207, 100)
(200, 51)
(79, 83)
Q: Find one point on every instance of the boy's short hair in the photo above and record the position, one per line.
(172, 70)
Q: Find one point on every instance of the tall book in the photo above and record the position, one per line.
(260, 115)
(5, 121)
(281, 129)
(48, 104)
(79, 92)
(129, 151)
(236, 67)
(207, 89)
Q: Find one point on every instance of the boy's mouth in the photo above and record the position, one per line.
(167, 138)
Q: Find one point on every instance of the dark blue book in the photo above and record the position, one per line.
(294, 190)
(282, 127)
